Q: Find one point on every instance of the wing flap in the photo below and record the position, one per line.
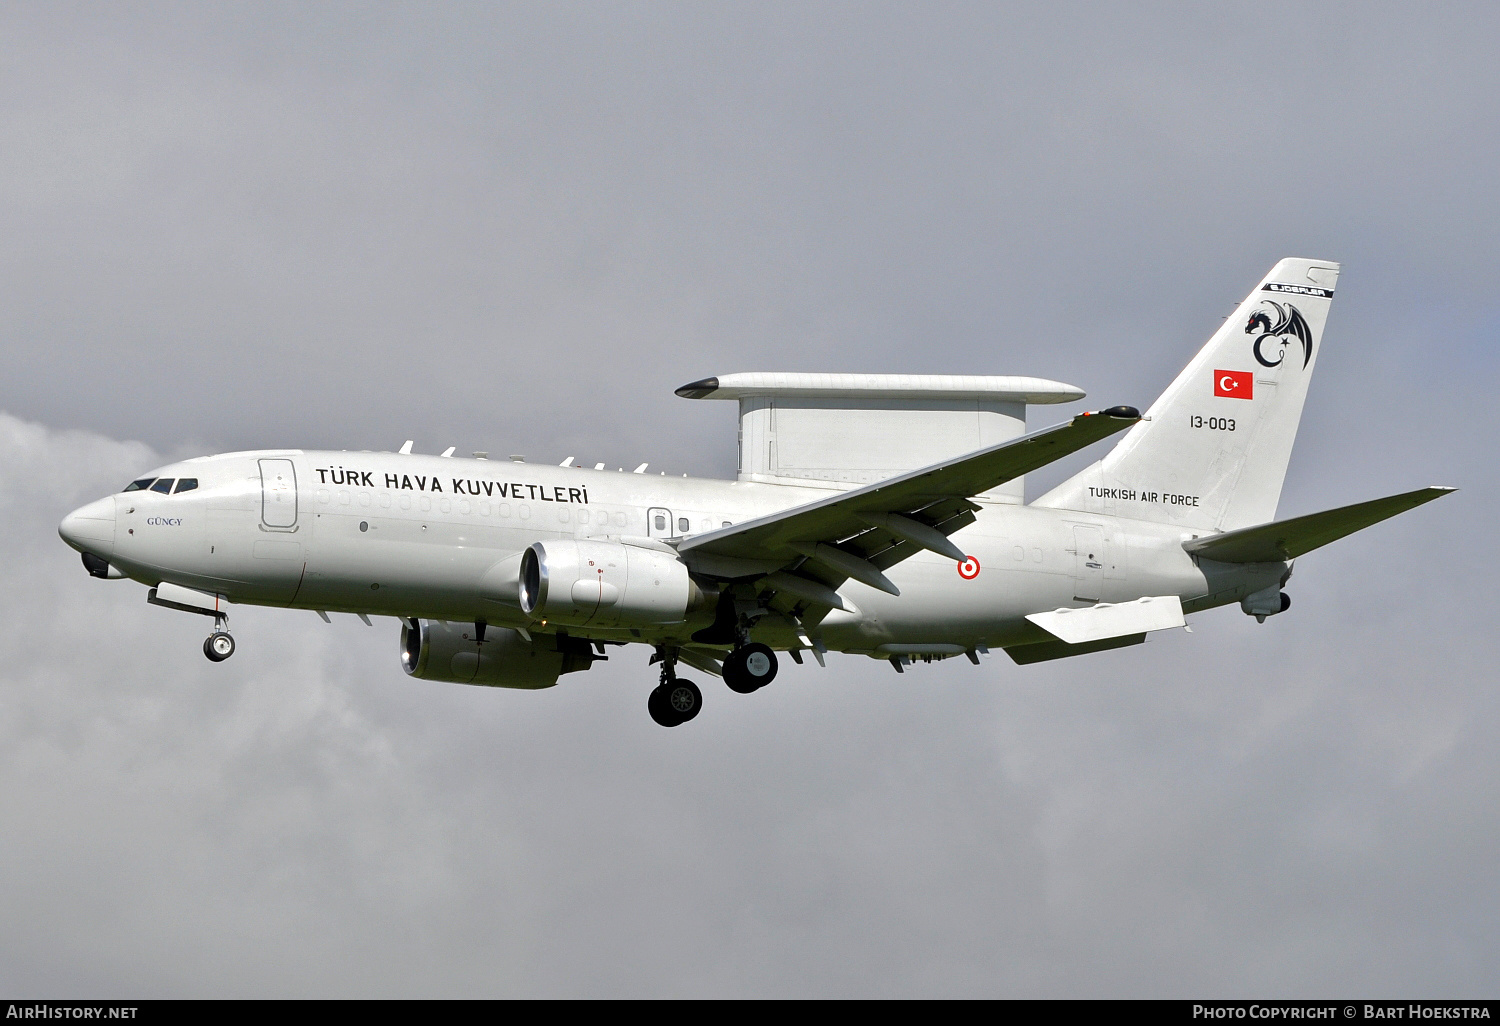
(1282, 540)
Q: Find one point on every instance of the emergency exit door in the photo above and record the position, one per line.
(659, 523)
(1088, 562)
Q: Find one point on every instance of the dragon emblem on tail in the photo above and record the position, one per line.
(1283, 322)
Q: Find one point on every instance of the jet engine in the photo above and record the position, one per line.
(606, 584)
(453, 652)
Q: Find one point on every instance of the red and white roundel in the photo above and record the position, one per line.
(969, 569)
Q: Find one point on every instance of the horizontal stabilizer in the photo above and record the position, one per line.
(1112, 619)
(1288, 539)
(1043, 651)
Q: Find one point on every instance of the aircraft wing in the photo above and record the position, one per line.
(861, 532)
(1288, 539)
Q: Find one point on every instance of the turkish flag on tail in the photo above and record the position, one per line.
(1234, 384)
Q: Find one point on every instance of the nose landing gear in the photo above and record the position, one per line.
(219, 645)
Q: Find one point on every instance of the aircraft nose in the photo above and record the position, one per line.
(91, 528)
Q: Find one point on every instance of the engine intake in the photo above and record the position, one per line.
(452, 652)
(605, 584)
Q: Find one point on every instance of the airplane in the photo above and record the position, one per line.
(882, 515)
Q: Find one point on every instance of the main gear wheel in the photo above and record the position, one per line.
(750, 668)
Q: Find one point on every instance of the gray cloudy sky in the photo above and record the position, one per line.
(517, 229)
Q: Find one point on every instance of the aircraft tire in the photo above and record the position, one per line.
(736, 678)
(750, 668)
(218, 646)
(656, 705)
(660, 709)
(675, 702)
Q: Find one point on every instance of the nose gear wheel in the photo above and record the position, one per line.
(219, 646)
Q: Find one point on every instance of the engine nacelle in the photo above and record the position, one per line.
(440, 650)
(605, 584)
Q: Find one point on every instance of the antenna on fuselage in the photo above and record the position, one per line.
(405, 450)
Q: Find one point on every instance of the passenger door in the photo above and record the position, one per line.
(278, 495)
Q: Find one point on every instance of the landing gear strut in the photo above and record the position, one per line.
(219, 645)
(674, 700)
(750, 668)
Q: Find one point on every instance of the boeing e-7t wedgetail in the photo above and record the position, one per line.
(875, 514)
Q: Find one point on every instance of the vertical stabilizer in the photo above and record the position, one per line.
(1212, 451)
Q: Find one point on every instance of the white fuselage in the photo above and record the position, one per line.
(440, 538)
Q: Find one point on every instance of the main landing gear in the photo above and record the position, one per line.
(219, 645)
(750, 668)
(674, 700)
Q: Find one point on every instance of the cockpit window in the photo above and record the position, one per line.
(163, 485)
(141, 485)
(186, 484)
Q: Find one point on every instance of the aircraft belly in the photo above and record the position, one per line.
(988, 610)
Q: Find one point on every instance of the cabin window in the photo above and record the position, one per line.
(164, 485)
(186, 484)
(141, 485)
(661, 521)
(682, 525)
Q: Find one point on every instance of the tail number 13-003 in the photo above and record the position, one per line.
(1212, 423)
